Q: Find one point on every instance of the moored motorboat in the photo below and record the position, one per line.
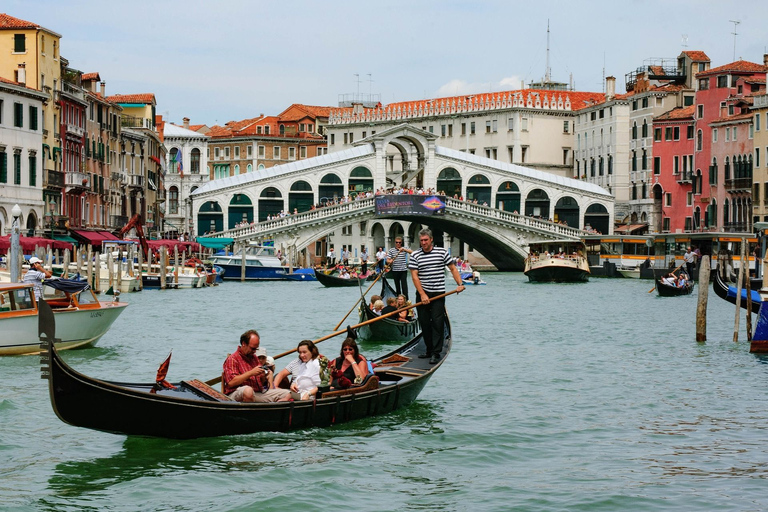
(261, 263)
(192, 409)
(387, 329)
(81, 318)
(559, 261)
(301, 274)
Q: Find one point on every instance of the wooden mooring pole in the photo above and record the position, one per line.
(738, 296)
(701, 307)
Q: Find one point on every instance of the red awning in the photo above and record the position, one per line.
(93, 237)
(28, 243)
(632, 228)
(170, 244)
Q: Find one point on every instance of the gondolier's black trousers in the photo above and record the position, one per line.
(400, 278)
(432, 322)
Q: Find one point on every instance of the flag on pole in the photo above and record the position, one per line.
(176, 159)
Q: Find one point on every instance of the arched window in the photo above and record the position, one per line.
(194, 161)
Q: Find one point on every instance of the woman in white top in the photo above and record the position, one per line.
(305, 370)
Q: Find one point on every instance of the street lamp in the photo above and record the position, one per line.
(15, 249)
(52, 210)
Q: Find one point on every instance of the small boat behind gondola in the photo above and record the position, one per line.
(191, 408)
(667, 290)
(558, 261)
(387, 329)
(334, 281)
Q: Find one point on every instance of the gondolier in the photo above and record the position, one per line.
(427, 271)
(397, 259)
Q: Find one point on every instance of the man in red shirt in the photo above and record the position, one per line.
(244, 378)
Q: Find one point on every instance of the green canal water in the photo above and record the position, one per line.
(589, 396)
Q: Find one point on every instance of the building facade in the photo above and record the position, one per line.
(21, 142)
(760, 167)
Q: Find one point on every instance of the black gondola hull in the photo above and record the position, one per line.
(728, 292)
(333, 281)
(184, 413)
(664, 290)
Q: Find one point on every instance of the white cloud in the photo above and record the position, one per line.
(458, 87)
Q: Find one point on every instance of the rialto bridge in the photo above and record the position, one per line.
(496, 208)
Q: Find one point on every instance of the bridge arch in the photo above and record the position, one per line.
(597, 217)
(360, 180)
(301, 196)
(567, 211)
(270, 203)
(331, 188)
(449, 181)
(210, 218)
(479, 188)
(240, 210)
(508, 196)
(537, 204)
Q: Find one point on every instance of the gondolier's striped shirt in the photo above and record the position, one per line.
(399, 260)
(431, 266)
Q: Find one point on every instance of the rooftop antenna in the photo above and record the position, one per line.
(604, 73)
(685, 41)
(547, 70)
(370, 86)
(357, 79)
(735, 24)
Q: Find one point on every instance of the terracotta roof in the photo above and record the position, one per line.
(17, 84)
(146, 98)
(733, 118)
(754, 80)
(196, 127)
(91, 76)
(9, 22)
(740, 66)
(697, 56)
(298, 111)
(678, 113)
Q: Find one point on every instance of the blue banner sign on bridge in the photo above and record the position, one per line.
(410, 205)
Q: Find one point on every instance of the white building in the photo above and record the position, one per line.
(527, 127)
(21, 145)
(187, 169)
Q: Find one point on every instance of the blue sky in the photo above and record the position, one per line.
(232, 59)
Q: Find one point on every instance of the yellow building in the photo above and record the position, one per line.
(29, 55)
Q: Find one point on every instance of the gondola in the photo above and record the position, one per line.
(386, 329)
(193, 409)
(334, 281)
(728, 292)
(665, 290)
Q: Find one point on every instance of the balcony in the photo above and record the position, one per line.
(738, 185)
(118, 221)
(54, 179)
(684, 177)
(136, 180)
(117, 176)
(74, 130)
(77, 180)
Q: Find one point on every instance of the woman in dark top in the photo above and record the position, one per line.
(350, 367)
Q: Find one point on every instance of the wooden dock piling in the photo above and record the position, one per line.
(701, 307)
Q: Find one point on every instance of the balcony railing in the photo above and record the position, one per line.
(136, 180)
(77, 180)
(684, 177)
(54, 179)
(738, 185)
(74, 129)
(118, 221)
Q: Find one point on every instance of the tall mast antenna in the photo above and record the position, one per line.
(735, 24)
(547, 70)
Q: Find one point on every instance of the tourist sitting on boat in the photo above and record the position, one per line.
(350, 367)
(390, 307)
(682, 280)
(35, 275)
(374, 298)
(670, 279)
(378, 306)
(305, 370)
(269, 368)
(407, 315)
(244, 378)
(344, 274)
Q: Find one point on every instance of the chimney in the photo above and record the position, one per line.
(186, 123)
(610, 88)
(765, 59)
(21, 74)
(103, 87)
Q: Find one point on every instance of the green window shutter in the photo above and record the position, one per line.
(3, 167)
(32, 171)
(33, 118)
(18, 115)
(19, 43)
(16, 169)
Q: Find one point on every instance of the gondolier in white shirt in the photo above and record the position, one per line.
(397, 260)
(427, 268)
(35, 275)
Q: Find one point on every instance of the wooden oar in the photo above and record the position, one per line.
(362, 296)
(655, 281)
(336, 333)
